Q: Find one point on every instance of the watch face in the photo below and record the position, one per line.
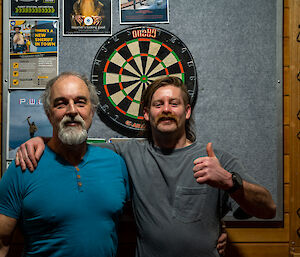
(127, 63)
(237, 182)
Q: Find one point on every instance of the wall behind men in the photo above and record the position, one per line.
(236, 52)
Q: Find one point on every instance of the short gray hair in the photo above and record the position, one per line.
(46, 96)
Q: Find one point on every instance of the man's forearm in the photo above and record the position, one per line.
(255, 200)
(46, 139)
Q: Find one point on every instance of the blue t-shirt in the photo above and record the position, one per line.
(68, 211)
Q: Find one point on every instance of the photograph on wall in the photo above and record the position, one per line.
(87, 17)
(34, 8)
(26, 119)
(33, 53)
(144, 11)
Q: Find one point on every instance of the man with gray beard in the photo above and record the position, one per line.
(71, 206)
(69, 135)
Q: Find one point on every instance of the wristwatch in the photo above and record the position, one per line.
(237, 183)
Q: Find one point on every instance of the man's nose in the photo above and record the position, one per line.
(167, 108)
(72, 109)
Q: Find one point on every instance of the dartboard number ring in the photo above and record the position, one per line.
(128, 62)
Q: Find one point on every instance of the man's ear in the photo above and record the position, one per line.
(188, 111)
(146, 114)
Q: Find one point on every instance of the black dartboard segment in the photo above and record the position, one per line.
(127, 63)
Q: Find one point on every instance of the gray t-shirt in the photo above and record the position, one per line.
(175, 215)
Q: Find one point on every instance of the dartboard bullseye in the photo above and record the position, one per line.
(127, 63)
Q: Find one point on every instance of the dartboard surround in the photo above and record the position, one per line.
(127, 63)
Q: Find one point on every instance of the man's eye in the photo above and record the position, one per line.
(156, 104)
(81, 103)
(60, 105)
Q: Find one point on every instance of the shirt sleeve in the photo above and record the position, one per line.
(122, 148)
(105, 145)
(10, 192)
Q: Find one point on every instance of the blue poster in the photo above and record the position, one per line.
(26, 118)
(33, 53)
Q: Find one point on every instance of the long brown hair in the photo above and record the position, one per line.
(146, 103)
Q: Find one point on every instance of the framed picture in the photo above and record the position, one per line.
(34, 9)
(91, 18)
(33, 55)
(144, 11)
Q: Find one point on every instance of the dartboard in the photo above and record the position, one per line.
(127, 63)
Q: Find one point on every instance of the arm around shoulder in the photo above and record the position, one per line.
(30, 152)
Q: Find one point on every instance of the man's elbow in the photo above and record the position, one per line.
(269, 207)
(265, 212)
(271, 212)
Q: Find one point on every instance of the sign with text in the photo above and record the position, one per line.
(33, 53)
(34, 8)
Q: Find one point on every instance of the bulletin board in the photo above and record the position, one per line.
(230, 52)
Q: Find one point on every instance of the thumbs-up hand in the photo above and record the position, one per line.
(208, 170)
(210, 150)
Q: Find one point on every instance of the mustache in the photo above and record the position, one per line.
(77, 119)
(168, 116)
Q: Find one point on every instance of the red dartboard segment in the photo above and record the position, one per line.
(120, 46)
(127, 63)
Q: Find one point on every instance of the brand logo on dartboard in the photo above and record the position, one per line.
(149, 32)
(134, 124)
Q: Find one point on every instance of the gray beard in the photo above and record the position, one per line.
(72, 135)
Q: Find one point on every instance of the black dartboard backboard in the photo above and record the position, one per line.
(128, 62)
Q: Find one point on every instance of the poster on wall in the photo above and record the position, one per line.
(33, 53)
(87, 17)
(34, 8)
(26, 119)
(144, 11)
